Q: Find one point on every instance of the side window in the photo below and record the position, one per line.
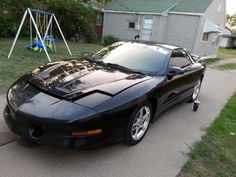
(179, 58)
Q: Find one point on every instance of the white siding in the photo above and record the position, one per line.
(178, 29)
(216, 12)
(162, 27)
(224, 42)
(181, 30)
(210, 48)
(116, 24)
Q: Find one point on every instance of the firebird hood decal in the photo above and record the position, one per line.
(71, 79)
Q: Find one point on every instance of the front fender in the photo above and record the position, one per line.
(131, 97)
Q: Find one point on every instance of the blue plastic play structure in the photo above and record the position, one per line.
(38, 43)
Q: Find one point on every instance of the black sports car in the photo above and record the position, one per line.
(104, 98)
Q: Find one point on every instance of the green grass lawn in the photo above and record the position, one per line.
(215, 154)
(223, 54)
(23, 60)
(211, 60)
(226, 53)
(228, 66)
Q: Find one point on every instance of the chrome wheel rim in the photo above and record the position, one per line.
(141, 123)
(196, 90)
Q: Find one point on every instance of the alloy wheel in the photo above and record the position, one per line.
(196, 90)
(141, 123)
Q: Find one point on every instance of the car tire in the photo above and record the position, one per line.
(196, 91)
(138, 124)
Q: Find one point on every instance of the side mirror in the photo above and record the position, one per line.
(200, 60)
(197, 58)
(173, 71)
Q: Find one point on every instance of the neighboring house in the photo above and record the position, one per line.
(228, 40)
(193, 24)
(97, 21)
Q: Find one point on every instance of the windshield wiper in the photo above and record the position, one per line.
(90, 58)
(114, 65)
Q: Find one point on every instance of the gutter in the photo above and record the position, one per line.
(126, 12)
(153, 13)
(186, 13)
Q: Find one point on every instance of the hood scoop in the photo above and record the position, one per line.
(71, 79)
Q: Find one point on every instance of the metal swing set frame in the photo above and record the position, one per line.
(38, 34)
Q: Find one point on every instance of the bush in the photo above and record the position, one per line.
(72, 15)
(108, 40)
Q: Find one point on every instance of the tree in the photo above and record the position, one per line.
(231, 20)
(74, 16)
(10, 11)
(231, 23)
(104, 1)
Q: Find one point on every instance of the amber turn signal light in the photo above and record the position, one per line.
(86, 133)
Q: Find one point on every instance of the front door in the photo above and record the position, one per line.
(180, 85)
(147, 29)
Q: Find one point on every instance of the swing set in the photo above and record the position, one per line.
(43, 25)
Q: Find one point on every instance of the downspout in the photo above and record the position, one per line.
(139, 20)
(103, 24)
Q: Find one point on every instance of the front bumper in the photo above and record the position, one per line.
(59, 135)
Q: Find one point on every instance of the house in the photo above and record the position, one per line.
(193, 24)
(97, 21)
(228, 39)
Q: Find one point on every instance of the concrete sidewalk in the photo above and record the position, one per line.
(162, 153)
(3, 127)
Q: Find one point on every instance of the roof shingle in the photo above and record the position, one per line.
(159, 6)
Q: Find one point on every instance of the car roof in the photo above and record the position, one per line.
(165, 46)
(171, 47)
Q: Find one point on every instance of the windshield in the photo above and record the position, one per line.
(134, 56)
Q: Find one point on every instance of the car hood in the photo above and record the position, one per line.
(72, 79)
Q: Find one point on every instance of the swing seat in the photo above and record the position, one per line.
(50, 38)
(35, 46)
(39, 44)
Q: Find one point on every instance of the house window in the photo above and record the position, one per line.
(131, 25)
(205, 36)
(99, 19)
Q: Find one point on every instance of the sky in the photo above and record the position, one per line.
(231, 7)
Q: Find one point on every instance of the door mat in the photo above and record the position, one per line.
(6, 137)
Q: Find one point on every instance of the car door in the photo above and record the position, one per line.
(178, 86)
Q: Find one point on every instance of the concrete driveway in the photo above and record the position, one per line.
(162, 153)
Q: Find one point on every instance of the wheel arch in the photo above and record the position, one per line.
(154, 103)
(202, 76)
